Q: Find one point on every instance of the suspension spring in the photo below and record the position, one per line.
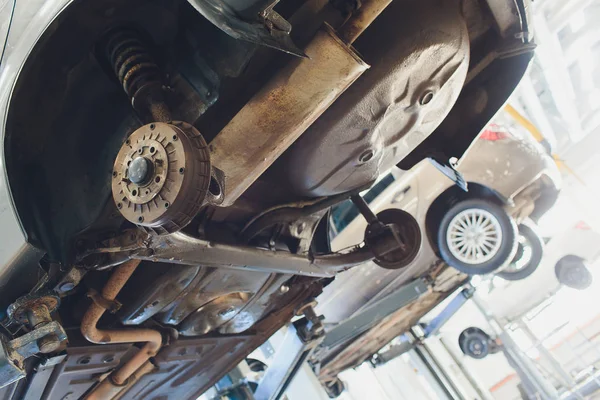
(138, 73)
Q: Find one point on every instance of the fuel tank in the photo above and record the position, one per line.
(419, 56)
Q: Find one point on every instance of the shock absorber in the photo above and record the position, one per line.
(138, 73)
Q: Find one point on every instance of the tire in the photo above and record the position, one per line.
(535, 244)
(491, 259)
(572, 272)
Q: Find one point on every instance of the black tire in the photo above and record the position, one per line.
(533, 242)
(507, 247)
(572, 272)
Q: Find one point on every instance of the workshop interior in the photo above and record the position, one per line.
(299, 199)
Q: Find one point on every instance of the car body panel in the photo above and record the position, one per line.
(507, 166)
(18, 257)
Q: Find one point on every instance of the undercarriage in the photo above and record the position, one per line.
(173, 164)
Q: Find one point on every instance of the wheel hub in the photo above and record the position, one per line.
(474, 236)
(140, 170)
(161, 176)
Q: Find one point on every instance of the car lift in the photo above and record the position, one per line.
(427, 330)
(301, 338)
(308, 334)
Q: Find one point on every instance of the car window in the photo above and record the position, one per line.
(345, 212)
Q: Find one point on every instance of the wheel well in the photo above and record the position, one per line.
(449, 198)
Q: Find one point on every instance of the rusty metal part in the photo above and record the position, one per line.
(138, 73)
(282, 110)
(39, 316)
(184, 370)
(45, 339)
(180, 248)
(33, 309)
(161, 176)
(92, 333)
(361, 19)
(145, 369)
(394, 239)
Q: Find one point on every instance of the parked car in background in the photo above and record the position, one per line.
(512, 181)
(568, 260)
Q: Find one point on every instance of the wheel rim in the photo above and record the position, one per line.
(474, 236)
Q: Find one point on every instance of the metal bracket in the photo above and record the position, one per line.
(301, 338)
(272, 32)
(452, 308)
(446, 168)
(111, 306)
(181, 248)
(13, 353)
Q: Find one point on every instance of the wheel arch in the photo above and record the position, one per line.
(451, 196)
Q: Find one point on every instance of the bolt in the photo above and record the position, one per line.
(48, 344)
(284, 289)
(38, 316)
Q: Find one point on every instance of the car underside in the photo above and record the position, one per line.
(172, 165)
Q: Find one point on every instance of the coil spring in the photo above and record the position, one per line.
(131, 61)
